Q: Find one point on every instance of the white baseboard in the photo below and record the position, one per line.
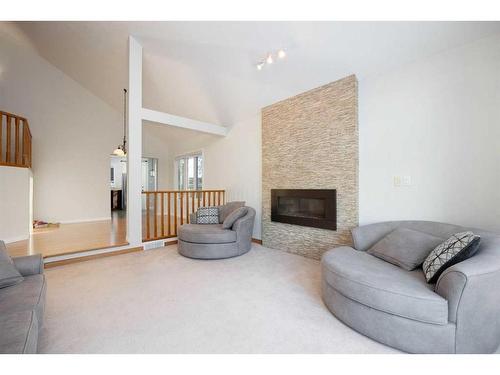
(82, 254)
(107, 218)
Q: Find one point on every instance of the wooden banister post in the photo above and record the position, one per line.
(8, 141)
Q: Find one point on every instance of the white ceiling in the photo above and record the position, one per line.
(206, 70)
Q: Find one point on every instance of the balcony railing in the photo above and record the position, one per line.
(15, 141)
(166, 210)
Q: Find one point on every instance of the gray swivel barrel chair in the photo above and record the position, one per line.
(212, 241)
(458, 314)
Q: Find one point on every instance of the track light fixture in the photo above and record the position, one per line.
(269, 59)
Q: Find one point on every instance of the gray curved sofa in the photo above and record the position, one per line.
(459, 314)
(211, 241)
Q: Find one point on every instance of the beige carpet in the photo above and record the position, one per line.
(266, 301)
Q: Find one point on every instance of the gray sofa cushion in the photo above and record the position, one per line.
(234, 216)
(206, 233)
(227, 208)
(405, 334)
(9, 275)
(405, 248)
(28, 295)
(18, 333)
(377, 284)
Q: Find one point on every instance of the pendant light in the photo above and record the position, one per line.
(121, 150)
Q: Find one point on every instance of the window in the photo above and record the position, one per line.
(189, 172)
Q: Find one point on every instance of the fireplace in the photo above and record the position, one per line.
(307, 207)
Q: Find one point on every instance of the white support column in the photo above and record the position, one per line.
(134, 149)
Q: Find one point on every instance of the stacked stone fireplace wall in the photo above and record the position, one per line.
(310, 141)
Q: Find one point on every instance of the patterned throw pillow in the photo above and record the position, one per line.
(207, 215)
(455, 249)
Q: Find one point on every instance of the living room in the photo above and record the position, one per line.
(316, 187)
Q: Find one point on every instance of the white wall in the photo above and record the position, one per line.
(438, 121)
(73, 131)
(15, 207)
(233, 163)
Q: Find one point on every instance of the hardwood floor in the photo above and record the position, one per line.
(78, 237)
(73, 238)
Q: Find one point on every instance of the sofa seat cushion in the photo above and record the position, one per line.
(206, 233)
(383, 286)
(28, 295)
(18, 332)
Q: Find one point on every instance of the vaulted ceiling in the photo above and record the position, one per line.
(206, 70)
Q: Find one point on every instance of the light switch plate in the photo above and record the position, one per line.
(406, 181)
(399, 181)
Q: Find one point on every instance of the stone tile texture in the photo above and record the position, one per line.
(310, 141)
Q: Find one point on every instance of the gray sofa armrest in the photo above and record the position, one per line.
(244, 229)
(471, 289)
(450, 286)
(29, 265)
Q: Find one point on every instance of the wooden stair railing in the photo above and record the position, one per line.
(15, 141)
(166, 210)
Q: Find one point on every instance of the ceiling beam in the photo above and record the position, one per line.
(182, 122)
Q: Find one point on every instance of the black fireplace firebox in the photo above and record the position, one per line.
(307, 207)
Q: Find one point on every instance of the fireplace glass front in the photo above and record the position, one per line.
(301, 207)
(306, 207)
